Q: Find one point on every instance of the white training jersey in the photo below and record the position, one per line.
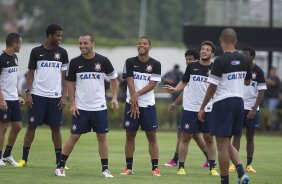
(48, 66)
(251, 91)
(228, 73)
(143, 73)
(89, 76)
(8, 76)
(196, 75)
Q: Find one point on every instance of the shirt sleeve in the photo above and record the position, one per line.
(127, 69)
(71, 72)
(186, 76)
(32, 60)
(216, 72)
(109, 69)
(156, 73)
(261, 80)
(65, 61)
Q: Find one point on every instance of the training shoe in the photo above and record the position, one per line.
(250, 169)
(106, 173)
(60, 172)
(205, 165)
(232, 168)
(170, 163)
(181, 171)
(21, 163)
(10, 160)
(213, 172)
(156, 172)
(2, 163)
(244, 180)
(127, 172)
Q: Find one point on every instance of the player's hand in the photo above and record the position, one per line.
(171, 107)
(3, 105)
(74, 110)
(29, 101)
(21, 100)
(169, 89)
(62, 103)
(251, 114)
(201, 115)
(134, 110)
(114, 105)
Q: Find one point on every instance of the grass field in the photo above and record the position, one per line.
(85, 166)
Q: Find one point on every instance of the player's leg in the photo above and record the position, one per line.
(173, 162)
(3, 130)
(153, 151)
(183, 150)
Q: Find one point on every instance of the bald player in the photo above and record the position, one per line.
(231, 71)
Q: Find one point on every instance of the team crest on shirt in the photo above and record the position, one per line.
(57, 56)
(31, 119)
(187, 126)
(5, 116)
(74, 127)
(98, 67)
(126, 124)
(254, 75)
(149, 68)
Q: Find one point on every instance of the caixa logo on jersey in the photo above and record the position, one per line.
(235, 76)
(90, 76)
(12, 70)
(50, 65)
(142, 77)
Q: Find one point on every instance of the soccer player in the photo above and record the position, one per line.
(196, 74)
(227, 78)
(86, 90)
(45, 90)
(10, 100)
(142, 74)
(253, 96)
(191, 55)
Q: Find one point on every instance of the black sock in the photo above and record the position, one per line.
(58, 152)
(249, 160)
(180, 164)
(25, 153)
(206, 155)
(240, 170)
(155, 163)
(129, 163)
(104, 164)
(0, 154)
(224, 179)
(63, 161)
(211, 164)
(175, 158)
(8, 151)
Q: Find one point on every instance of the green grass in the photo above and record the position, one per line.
(85, 166)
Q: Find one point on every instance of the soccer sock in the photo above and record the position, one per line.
(104, 164)
(240, 170)
(62, 163)
(25, 153)
(58, 152)
(155, 163)
(206, 155)
(211, 164)
(0, 154)
(175, 157)
(224, 179)
(249, 160)
(180, 164)
(129, 163)
(8, 151)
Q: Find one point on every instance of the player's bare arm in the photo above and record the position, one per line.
(71, 92)
(63, 99)
(114, 88)
(259, 99)
(210, 93)
(134, 107)
(29, 81)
